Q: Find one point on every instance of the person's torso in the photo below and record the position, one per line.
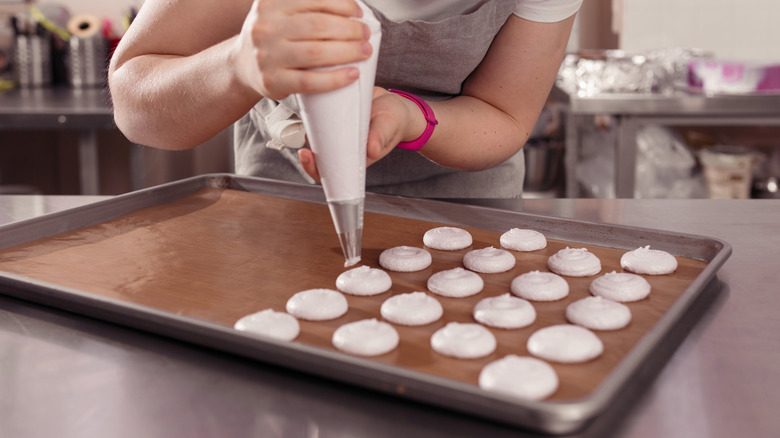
(431, 59)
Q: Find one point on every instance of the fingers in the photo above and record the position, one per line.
(306, 157)
(320, 54)
(321, 26)
(292, 43)
(347, 8)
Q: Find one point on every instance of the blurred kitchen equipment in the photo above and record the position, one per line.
(665, 166)
(766, 180)
(87, 56)
(728, 171)
(543, 165)
(592, 72)
(32, 52)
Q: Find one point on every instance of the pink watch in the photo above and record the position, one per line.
(430, 118)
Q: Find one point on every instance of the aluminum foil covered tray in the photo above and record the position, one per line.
(188, 259)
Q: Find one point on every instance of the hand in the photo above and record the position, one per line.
(282, 40)
(393, 119)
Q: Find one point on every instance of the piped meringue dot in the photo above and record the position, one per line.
(540, 286)
(463, 340)
(505, 312)
(648, 261)
(455, 283)
(565, 343)
(412, 309)
(520, 376)
(623, 287)
(364, 281)
(368, 337)
(447, 238)
(405, 259)
(489, 260)
(522, 239)
(317, 305)
(597, 313)
(268, 322)
(574, 262)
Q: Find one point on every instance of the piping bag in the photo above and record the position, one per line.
(336, 124)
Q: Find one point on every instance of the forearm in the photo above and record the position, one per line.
(501, 101)
(184, 71)
(178, 102)
(474, 135)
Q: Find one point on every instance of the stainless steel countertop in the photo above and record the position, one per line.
(678, 104)
(66, 375)
(56, 108)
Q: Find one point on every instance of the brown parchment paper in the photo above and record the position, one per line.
(219, 254)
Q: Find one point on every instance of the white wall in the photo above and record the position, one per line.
(732, 29)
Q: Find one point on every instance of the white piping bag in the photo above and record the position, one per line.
(336, 124)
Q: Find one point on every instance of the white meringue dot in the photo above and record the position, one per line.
(405, 259)
(520, 376)
(447, 238)
(522, 239)
(455, 283)
(489, 260)
(368, 337)
(317, 304)
(268, 322)
(364, 281)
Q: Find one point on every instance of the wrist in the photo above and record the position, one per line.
(429, 118)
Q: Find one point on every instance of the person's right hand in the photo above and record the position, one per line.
(282, 41)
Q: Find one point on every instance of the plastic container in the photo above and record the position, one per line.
(728, 171)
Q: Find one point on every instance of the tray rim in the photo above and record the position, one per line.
(554, 417)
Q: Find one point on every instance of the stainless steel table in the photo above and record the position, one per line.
(632, 111)
(66, 375)
(86, 110)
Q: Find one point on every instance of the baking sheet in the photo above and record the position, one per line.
(188, 259)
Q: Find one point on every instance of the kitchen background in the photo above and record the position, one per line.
(665, 34)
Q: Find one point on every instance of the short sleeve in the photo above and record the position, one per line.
(547, 11)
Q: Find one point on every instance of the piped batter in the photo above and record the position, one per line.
(268, 322)
(623, 287)
(565, 343)
(489, 260)
(523, 239)
(597, 313)
(524, 377)
(364, 281)
(505, 311)
(574, 262)
(405, 259)
(648, 261)
(317, 305)
(540, 286)
(414, 308)
(455, 283)
(447, 238)
(368, 337)
(463, 340)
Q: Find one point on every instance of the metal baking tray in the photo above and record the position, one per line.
(398, 219)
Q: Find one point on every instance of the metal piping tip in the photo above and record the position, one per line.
(350, 246)
(348, 220)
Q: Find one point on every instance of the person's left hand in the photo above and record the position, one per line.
(392, 121)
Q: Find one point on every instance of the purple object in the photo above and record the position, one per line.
(734, 77)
